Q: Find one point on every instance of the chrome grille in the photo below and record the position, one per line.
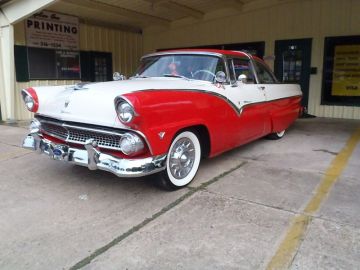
(69, 133)
(54, 130)
(104, 140)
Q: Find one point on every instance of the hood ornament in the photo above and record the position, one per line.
(66, 103)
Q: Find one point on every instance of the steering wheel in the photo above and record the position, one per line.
(204, 71)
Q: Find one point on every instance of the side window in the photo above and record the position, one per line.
(263, 73)
(242, 66)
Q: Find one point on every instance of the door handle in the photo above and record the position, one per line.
(261, 87)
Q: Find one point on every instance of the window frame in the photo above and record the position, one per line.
(232, 70)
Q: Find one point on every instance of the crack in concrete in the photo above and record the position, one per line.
(326, 151)
(117, 240)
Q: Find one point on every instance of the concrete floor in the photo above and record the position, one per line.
(235, 214)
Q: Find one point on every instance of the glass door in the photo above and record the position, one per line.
(292, 64)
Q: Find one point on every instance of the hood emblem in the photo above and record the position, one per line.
(66, 103)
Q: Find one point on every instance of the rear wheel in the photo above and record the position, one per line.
(276, 135)
(182, 162)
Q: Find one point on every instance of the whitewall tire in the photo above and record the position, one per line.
(276, 135)
(182, 162)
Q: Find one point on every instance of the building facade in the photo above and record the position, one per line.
(315, 43)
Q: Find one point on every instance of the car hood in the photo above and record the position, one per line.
(93, 103)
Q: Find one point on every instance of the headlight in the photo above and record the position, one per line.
(35, 126)
(131, 144)
(29, 102)
(30, 99)
(125, 112)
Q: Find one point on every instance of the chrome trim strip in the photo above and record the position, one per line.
(94, 159)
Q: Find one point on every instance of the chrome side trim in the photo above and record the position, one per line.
(94, 159)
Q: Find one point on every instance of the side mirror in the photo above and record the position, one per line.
(118, 77)
(242, 78)
(220, 77)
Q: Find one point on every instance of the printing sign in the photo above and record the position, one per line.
(53, 31)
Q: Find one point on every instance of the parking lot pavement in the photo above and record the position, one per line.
(240, 212)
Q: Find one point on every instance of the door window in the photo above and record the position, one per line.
(264, 74)
(240, 66)
(243, 67)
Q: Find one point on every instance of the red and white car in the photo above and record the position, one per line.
(180, 106)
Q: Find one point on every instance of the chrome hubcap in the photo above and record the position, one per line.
(182, 157)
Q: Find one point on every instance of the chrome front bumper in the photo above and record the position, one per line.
(94, 159)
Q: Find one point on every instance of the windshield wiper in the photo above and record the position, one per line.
(176, 76)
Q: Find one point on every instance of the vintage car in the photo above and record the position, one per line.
(179, 107)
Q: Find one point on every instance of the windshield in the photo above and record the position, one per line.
(198, 67)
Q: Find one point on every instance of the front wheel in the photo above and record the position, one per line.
(182, 162)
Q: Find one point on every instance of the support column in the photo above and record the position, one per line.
(7, 70)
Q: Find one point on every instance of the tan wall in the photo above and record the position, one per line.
(126, 48)
(298, 19)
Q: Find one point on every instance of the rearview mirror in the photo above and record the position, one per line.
(220, 77)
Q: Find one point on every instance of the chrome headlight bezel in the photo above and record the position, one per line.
(30, 99)
(125, 110)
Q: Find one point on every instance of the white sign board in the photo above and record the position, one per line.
(54, 31)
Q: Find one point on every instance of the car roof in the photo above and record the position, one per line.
(210, 51)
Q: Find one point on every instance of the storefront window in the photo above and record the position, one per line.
(341, 73)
